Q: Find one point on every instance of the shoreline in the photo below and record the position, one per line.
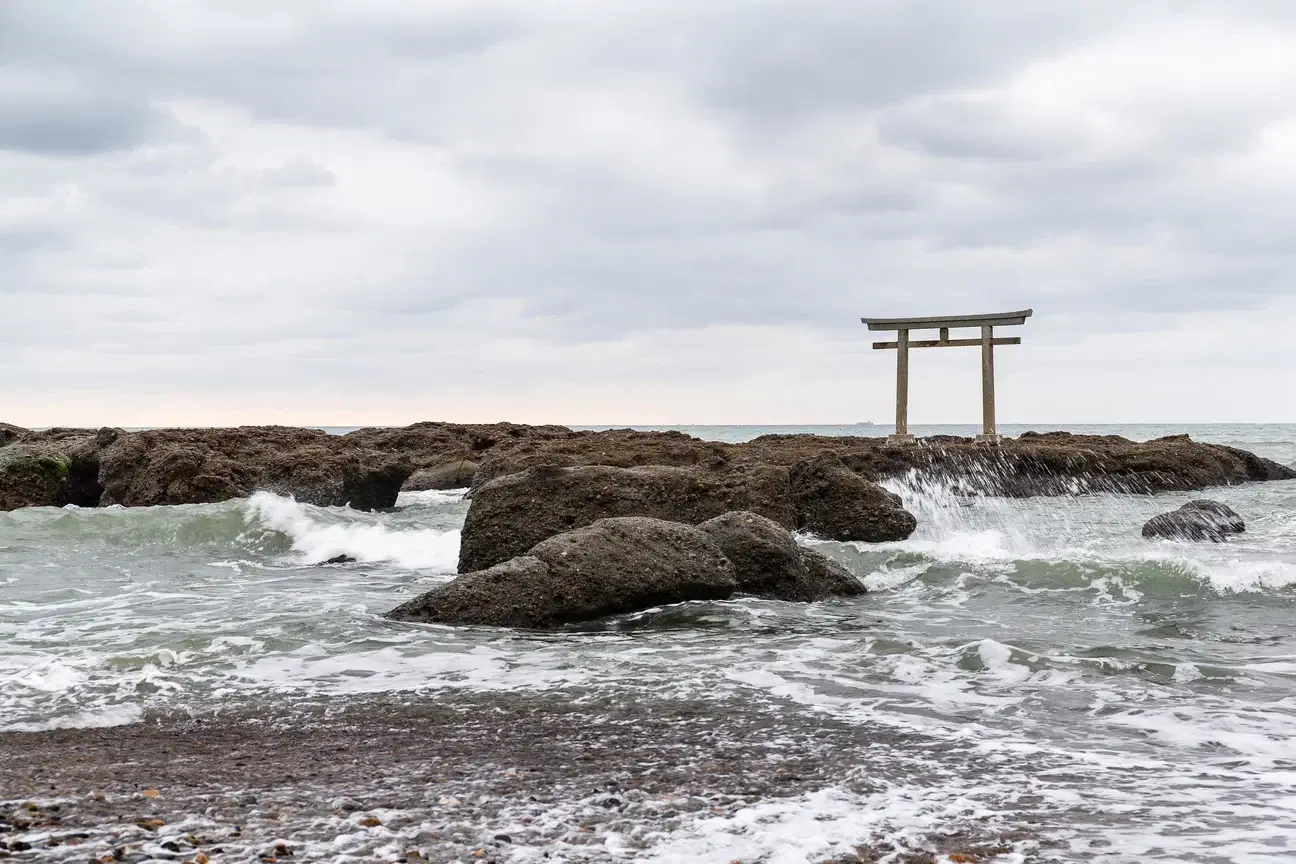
(452, 777)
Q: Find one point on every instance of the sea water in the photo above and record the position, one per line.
(1130, 700)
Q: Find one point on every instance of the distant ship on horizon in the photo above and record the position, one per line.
(865, 423)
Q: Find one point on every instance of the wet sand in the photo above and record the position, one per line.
(438, 778)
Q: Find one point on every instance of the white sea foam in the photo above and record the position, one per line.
(1044, 644)
(810, 827)
(1236, 575)
(51, 675)
(95, 718)
(368, 541)
(431, 497)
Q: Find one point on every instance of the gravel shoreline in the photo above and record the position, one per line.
(434, 778)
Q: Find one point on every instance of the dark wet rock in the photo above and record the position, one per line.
(50, 468)
(10, 433)
(835, 503)
(1197, 520)
(30, 477)
(828, 577)
(1060, 463)
(340, 559)
(450, 475)
(110, 466)
(617, 448)
(1050, 463)
(195, 466)
(430, 445)
(511, 514)
(769, 563)
(610, 567)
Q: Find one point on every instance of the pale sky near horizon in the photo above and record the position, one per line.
(378, 211)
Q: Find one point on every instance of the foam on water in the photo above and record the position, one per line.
(812, 827)
(989, 533)
(1050, 649)
(319, 540)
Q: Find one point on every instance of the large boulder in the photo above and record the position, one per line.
(769, 563)
(827, 577)
(31, 478)
(511, 514)
(450, 475)
(52, 468)
(611, 567)
(198, 466)
(835, 503)
(1196, 520)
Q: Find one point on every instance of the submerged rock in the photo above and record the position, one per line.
(340, 559)
(1197, 520)
(511, 514)
(769, 563)
(835, 503)
(610, 567)
(451, 475)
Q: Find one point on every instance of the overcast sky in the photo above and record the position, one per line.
(384, 211)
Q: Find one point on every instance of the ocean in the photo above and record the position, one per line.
(1030, 674)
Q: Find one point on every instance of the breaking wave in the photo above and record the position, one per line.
(1080, 541)
(265, 529)
(318, 534)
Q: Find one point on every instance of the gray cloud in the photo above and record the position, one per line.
(517, 209)
(67, 113)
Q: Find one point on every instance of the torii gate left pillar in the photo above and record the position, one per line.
(903, 343)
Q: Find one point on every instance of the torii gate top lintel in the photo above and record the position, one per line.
(989, 319)
(987, 322)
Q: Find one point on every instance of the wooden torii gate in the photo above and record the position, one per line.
(986, 322)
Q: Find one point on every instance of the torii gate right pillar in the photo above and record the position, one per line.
(903, 343)
(988, 431)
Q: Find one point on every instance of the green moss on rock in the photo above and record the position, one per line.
(31, 479)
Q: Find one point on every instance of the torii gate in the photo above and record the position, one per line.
(986, 322)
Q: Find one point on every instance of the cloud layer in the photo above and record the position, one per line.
(345, 212)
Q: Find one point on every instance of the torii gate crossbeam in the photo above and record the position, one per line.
(943, 323)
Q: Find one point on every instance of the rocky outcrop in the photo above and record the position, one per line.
(769, 563)
(618, 448)
(31, 478)
(51, 468)
(429, 445)
(1196, 520)
(188, 466)
(450, 475)
(193, 466)
(511, 514)
(1053, 463)
(611, 567)
(835, 503)
(827, 577)
(10, 433)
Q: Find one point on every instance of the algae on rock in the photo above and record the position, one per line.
(30, 478)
